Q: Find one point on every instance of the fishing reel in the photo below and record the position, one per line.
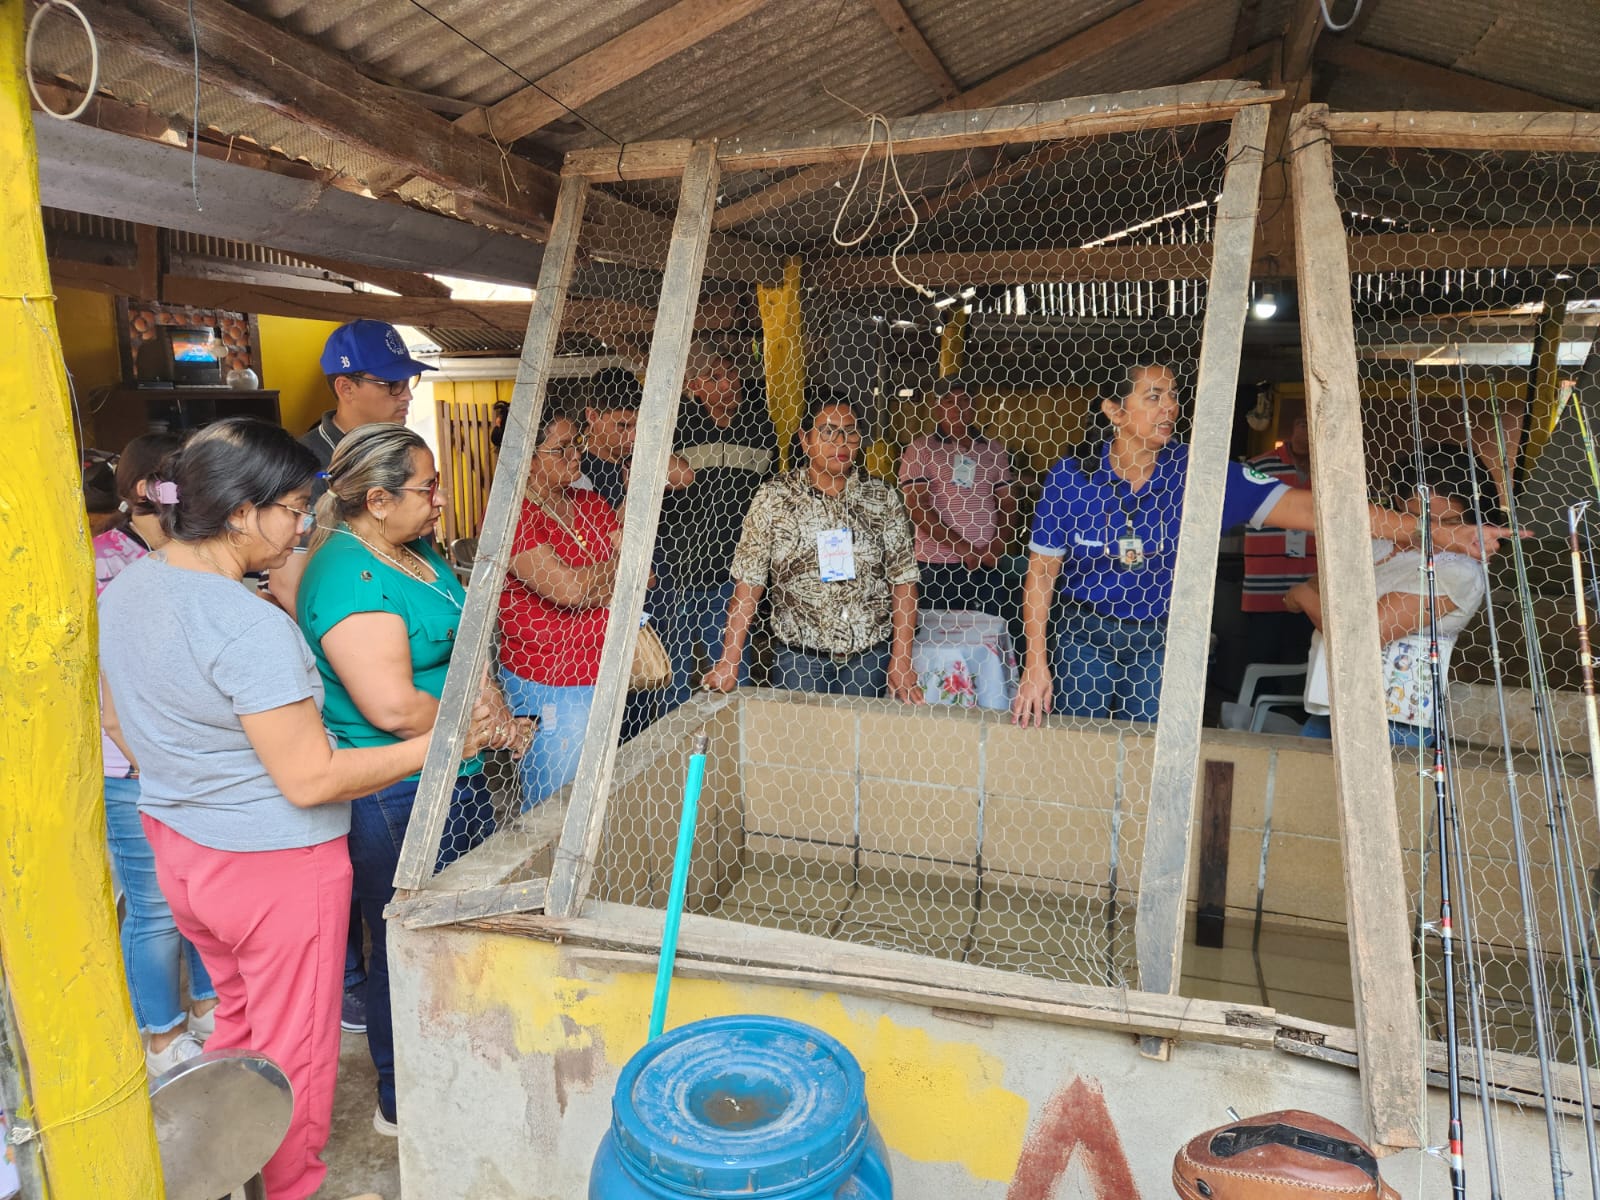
(1285, 1155)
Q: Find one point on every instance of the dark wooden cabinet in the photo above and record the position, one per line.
(129, 411)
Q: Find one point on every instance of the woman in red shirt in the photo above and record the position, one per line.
(555, 605)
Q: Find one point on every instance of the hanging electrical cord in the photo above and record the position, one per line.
(891, 170)
(1531, 936)
(94, 59)
(1328, 21)
(194, 132)
(1444, 809)
(1551, 775)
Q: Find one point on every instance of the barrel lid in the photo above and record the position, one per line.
(743, 1105)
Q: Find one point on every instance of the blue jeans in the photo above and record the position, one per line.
(864, 674)
(698, 617)
(563, 712)
(1105, 666)
(1400, 734)
(151, 943)
(377, 829)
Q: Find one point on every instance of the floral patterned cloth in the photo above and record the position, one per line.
(778, 551)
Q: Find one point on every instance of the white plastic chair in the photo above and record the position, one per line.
(1257, 713)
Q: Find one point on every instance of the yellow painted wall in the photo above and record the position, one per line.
(291, 350)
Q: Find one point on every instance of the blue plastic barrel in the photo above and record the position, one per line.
(741, 1106)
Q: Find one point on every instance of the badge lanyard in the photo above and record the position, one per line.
(1129, 549)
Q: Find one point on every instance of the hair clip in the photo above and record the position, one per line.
(321, 476)
(166, 492)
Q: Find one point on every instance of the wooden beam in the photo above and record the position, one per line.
(88, 170)
(149, 266)
(1244, 23)
(1462, 89)
(1275, 244)
(1574, 132)
(1081, 116)
(481, 614)
(1216, 832)
(1049, 264)
(263, 64)
(894, 15)
(609, 65)
(1164, 869)
(819, 964)
(1511, 246)
(405, 283)
(1140, 19)
(579, 849)
(592, 74)
(1376, 901)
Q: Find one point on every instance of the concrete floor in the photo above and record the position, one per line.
(360, 1159)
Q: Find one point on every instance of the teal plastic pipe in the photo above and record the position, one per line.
(680, 884)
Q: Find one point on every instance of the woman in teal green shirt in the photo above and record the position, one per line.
(380, 608)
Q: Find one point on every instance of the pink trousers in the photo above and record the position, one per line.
(270, 926)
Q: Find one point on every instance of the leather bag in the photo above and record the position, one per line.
(652, 669)
(1285, 1155)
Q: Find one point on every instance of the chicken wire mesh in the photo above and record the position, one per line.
(859, 821)
(856, 466)
(1474, 289)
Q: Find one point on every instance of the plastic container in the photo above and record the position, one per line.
(741, 1106)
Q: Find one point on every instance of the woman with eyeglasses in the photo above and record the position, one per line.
(555, 605)
(243, 796)
(835, 551)
(380, 609)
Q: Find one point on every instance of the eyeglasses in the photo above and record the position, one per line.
(840, 433)
(306, 522)
(432, 489)
(396, 387)
(575, 446)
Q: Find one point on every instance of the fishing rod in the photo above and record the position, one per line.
(1532, 939)
(1555, 804)
(1443, 810)
(1591, 711)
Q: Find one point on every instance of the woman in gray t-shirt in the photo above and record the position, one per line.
(244, 799)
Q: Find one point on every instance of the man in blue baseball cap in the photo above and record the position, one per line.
(371, 373)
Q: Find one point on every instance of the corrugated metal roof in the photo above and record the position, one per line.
(1550, 47)
(794, 65)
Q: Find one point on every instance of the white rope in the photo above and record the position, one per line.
(890, 170)
(94, 60)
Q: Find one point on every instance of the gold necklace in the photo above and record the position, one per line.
(214, 564)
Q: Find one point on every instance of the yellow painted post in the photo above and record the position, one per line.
(84, 1064)
(953, 344)
(785, 356)
(1544, 377)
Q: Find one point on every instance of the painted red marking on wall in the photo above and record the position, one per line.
(1074, 1119)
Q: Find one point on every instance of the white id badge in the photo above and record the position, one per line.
(1130, 552)
(1294, 543)
(965, 473)
(836, 555)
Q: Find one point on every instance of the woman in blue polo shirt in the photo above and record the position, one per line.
(1106, 529)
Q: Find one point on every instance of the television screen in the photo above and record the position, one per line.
(194, 346)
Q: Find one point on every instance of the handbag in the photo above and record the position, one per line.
(651, 669)
(1285, 1155)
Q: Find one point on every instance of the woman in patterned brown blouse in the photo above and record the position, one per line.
(835, 549)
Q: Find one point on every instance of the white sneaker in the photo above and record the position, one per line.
(203, 1027)
(383, 1125)
(179, 1050)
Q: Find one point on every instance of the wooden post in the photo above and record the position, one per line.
(1216, 829)
(88, 1126)
(478, 619)
(1375, 893)
(1164, 874)
(658, 417)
